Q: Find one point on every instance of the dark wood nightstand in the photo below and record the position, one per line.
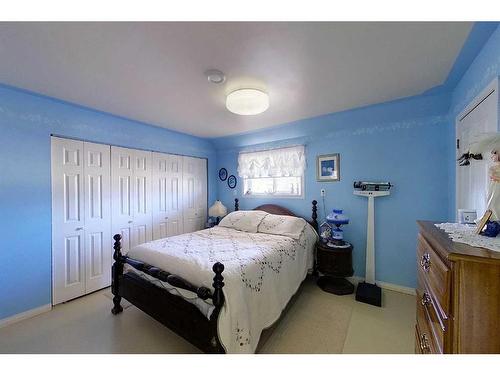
(335, 264)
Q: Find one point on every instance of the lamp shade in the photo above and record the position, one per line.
(217, 209)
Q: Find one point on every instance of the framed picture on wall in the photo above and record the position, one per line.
(328, 167)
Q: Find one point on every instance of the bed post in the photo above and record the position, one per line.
(218, 301)
(315, 214)
(116, 272)
(236, 204)
(218, 296)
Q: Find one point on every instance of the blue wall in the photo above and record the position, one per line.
(483, 69)
(405, 142)
(26, 122)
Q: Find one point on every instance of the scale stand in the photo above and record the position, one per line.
(368, 291)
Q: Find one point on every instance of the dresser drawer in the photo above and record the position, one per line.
(418, 350)
(435, 273)
(423, 343)
(425, 340)
(430, 317)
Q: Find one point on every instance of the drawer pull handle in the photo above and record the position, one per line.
(425, 262)
(426, 299)
(424, 343)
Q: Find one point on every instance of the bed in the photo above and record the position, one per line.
(221, 287)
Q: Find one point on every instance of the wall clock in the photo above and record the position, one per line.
(231, 181)
(223, 174)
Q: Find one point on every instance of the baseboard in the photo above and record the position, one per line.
(24, 315)
(396, 288)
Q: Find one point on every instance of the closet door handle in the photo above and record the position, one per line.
(79, 228)
(166, 217)
(130, 221)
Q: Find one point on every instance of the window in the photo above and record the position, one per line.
(273, 173)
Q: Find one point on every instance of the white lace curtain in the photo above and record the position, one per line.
(281, 162)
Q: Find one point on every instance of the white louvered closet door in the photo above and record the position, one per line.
(167, 195)
(67, 220)
(97, 228)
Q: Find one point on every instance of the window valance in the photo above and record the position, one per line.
(281, 162)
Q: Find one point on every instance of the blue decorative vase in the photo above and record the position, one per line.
(337, 218)
(337, 234)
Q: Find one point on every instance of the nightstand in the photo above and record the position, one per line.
(335, 264)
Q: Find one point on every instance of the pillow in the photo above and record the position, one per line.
(246, 221)
(283, 225)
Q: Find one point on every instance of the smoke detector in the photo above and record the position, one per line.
(215, 76)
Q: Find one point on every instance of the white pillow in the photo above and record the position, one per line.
(283, 225)
(246, 221)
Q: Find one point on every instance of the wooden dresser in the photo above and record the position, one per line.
(458, 295)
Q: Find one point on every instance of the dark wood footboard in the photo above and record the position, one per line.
(172, 311)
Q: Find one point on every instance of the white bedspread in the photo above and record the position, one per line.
(262, 272)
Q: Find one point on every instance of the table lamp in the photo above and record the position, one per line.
(217, 210)
(337, 218)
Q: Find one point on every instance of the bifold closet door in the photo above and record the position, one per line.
(167, 195)
(97, 228)
(68, 220)
(131, 196)
(142, 228)
(81, 223)
(194, 193)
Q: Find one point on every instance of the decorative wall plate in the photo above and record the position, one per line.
(232, 181)
(223, 174)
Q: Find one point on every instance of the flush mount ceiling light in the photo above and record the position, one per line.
(215, 76)
(247, 102)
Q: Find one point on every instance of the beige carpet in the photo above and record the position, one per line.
(313, 315)
(317, 322)
(124, 303)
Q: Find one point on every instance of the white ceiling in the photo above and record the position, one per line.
(153, 72)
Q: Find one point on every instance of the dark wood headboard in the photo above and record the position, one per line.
(279, 210)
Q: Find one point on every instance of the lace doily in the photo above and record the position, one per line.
(466, 234)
